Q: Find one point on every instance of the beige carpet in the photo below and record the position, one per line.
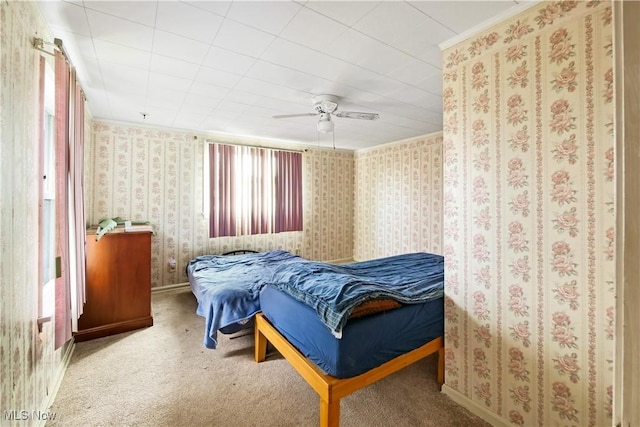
(164, 376)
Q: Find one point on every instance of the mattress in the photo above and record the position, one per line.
(227, 289)
(367, 342)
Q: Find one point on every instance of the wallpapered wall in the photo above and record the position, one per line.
(28, 363)
(529, 216)
(155, 174)
(398, 198)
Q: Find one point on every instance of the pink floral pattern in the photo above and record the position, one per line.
(519, 77)
(567, 222)
(567, 150)
(517, 365)
(407, 176)
(520, 396)
(563, 402)
(480, 365)
(533, 213)
(561, 119)
(563, 331)
(516, 113)
(566, 79)
(517, 301)
(520, 140)
(567, 293)
(568, 365)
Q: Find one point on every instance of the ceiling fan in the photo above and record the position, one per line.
(325, 106)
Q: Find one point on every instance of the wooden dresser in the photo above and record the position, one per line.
(118, 286)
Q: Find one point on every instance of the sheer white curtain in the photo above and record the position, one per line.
(70, 222)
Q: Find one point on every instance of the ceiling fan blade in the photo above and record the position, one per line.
(357, 115)
(286, 116)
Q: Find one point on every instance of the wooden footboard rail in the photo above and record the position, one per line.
(329, 388)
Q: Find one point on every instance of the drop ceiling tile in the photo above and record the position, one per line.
(159, 116)
(431, 54)
(462, 15)
(413, 70)
(226, 60)
(346, 12)
(403, 26)
(173, 67)
(294, 56)
(121, 31)
(90, 76)
(178, 47)
(123, 79)
(204, 89)
(362, 50)
(217, 77)
(189, 120)
(187, 21)
(119, 54)
(242, 39)
(233, 107)
(415, 96)
(313, 30)
(66, 16)
(270, 17)
(196, 101)
(263, 88)
(218, 7)
(159, 81)
(163, 97)
(142, 12)
(286, 77)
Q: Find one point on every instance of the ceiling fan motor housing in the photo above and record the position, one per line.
(325, 103)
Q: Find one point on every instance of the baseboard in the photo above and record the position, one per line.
(166, 288)
(475, 408)
(57, 381)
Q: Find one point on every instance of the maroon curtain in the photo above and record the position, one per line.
(63, 297)
(288, 208)
(254, 190)
(222, 214)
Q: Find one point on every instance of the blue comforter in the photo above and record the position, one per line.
(333, 291)
(228, 288)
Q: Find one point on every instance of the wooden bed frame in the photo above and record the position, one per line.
(329, 388)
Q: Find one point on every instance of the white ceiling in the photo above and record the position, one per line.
(229, 66)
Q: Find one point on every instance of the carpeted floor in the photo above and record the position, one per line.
(164, 376)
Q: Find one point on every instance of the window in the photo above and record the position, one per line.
(48, 195)
(253, 190)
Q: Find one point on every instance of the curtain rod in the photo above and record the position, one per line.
(39, 43)
(256, 146)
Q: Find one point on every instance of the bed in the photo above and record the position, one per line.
(227, 288)
(308, 314)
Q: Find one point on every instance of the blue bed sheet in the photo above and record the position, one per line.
(367, 342)
(227, 288)
(333, 291)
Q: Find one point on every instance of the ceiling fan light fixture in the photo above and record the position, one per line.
(325, 126)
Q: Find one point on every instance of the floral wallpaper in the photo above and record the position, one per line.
(398, 198)
(29, 366)
(529, 216)
(156, 175)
